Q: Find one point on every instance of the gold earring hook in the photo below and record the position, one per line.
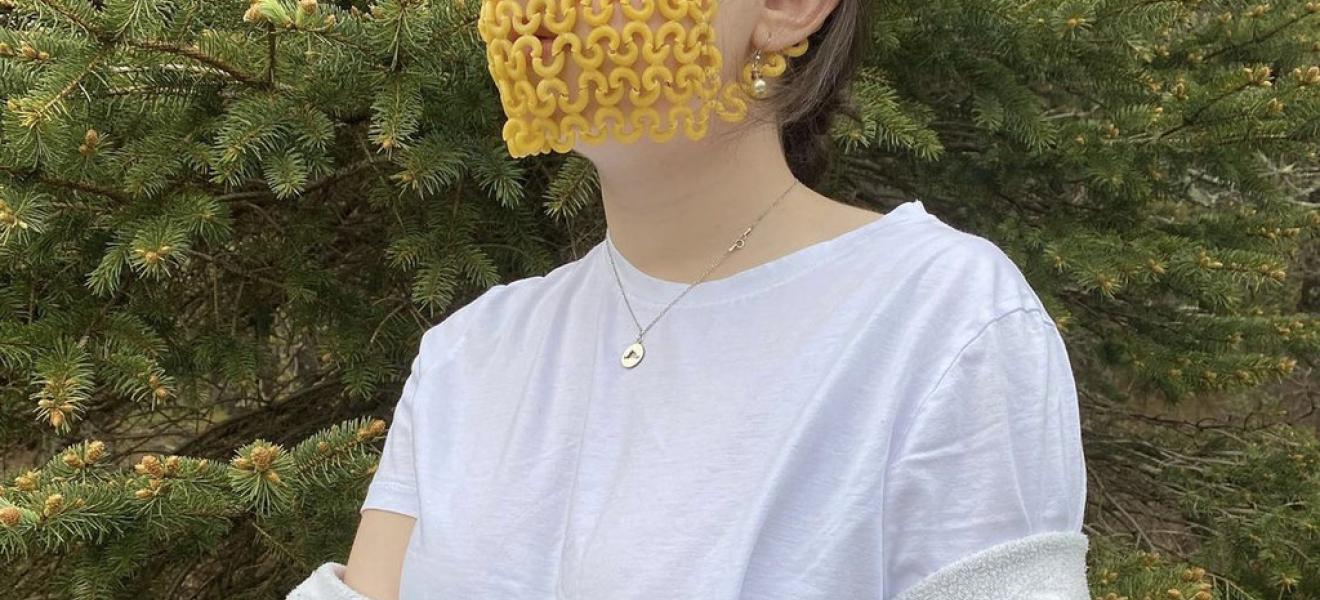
(756, 57)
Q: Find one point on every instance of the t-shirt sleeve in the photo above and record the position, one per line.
(991, 454)
(394, 485)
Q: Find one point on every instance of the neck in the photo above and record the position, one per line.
(672, 216)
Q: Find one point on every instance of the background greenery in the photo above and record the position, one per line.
(224, 226)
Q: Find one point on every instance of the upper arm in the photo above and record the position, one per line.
(993, 452)
(376, 560)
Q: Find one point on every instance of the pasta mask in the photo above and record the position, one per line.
(655, 74)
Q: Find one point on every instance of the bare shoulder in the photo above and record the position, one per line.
(376, 560)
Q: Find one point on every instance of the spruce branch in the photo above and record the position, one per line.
(1256, 38)
(83, 19)
(79, 186)
(218, 65)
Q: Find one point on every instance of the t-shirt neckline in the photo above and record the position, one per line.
(643, 288)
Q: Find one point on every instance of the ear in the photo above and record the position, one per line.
(787, 22)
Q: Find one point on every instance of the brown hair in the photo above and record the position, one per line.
(816, 86)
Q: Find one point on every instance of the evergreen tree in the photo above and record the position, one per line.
(224, 226)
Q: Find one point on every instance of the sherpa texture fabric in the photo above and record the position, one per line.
(325, 583)
(1043, 566)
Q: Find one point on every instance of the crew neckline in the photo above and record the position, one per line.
(643, 288)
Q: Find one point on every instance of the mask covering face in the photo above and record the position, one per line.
(609, 69)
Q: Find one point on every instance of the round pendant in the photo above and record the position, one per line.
(632, 355)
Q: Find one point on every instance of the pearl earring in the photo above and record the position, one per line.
(759, 84)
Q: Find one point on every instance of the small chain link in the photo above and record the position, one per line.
(739, 243)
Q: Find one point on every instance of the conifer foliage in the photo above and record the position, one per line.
(225, 224)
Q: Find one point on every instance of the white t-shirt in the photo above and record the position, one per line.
(835, 423)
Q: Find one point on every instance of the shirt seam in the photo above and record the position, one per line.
(957, 357)
(458, 343)
(395, 496)
(399, 485)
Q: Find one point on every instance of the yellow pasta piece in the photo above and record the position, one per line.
(632, 80)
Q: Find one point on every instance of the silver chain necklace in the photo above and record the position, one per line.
(632, 355)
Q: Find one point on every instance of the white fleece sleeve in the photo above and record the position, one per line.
(325, 583)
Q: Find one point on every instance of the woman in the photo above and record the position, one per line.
(746, 389)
